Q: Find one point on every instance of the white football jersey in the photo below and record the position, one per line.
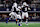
(14, 5)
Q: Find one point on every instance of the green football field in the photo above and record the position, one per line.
(23, 25)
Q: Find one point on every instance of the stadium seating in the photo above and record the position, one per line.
(4, 4)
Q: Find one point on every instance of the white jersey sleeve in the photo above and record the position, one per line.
(12, 8)
(29, 9)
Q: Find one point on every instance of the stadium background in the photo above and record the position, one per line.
(34, 14)
(6, 6)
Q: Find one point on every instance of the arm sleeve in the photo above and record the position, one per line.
(29, 9)
(12, 8)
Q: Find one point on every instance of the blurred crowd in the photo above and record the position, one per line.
(6, 5)
(32, 16)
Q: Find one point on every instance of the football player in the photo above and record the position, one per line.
(24, 11)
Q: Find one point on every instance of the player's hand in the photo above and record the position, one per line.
(29, 9)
